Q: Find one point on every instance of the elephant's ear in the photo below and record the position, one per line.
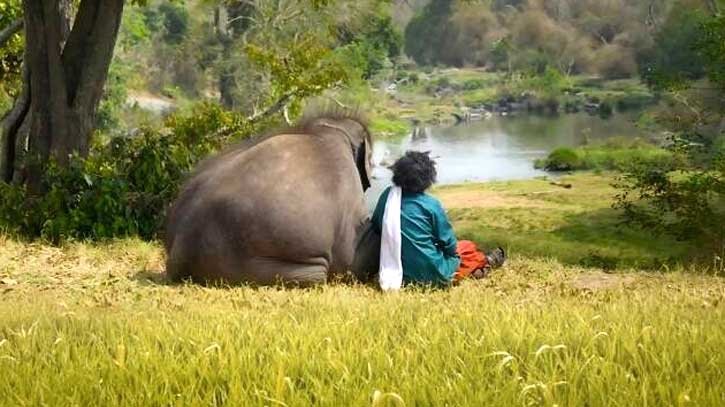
(362, 160)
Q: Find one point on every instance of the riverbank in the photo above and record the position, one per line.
(614, 154)
(96, 324)
(406, 99)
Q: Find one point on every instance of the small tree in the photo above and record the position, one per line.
(64, 71)
(686, 198)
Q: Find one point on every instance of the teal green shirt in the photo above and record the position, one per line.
(428, 244)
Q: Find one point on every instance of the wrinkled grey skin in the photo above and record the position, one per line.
(284, 209)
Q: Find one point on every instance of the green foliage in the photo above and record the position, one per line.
(175, 20)
(561, 159)
(369, 49)
(676, 200)
(711, 46)
(426, 32)
(686, 196)
(298, 70)
(550, 82)
(363, 58)
(382, 31)
(114, 97)
(134, 29)
(617, 154)
(387, 126)
(124, 187)
(674, 60)
(11, 55)
(501, 53)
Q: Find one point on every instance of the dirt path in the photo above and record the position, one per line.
(153, 103)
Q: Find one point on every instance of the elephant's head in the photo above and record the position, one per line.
(361, 143)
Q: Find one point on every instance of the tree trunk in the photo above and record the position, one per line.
(226, 81)
(65, 74)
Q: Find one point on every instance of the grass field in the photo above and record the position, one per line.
(96, 324)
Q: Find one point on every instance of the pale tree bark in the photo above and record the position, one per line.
(65, 71)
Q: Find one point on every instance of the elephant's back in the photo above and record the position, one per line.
(280, 197)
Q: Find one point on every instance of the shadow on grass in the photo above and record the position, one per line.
(152, 277)
(148, 278)
(595, 239)
(611, 244)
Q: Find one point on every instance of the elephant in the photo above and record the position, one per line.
(284, 208)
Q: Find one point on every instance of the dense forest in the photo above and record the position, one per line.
(614, 39)
(226, 51)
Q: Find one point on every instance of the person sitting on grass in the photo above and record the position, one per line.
(418, 244)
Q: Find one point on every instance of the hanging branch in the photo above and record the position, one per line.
(8, 31)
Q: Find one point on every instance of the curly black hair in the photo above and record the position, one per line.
(414, 172)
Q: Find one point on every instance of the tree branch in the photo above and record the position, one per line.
(9, 127)
(8, 31)
(277, 107)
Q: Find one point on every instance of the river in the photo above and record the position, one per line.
(497, 148)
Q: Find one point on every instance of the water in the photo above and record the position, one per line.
(498, 148)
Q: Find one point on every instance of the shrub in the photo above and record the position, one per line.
(614, 61)
(473, 84)
(443, 82)
(616, 154)
(685, 198)
(561, 159)
(606, 109)
(124, 187)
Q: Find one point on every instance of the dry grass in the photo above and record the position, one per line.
(96, 324)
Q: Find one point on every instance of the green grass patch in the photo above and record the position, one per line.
(576, 226)
(615, 155)
(478, 97)
(383, 127)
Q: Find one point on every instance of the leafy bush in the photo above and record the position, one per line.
(11, 55)
(561, 159)
(473, 84)
(443, 82)
(427, 32)
(674, 59)
(363, 56)
(176, 22)
(614, 155)
(372, 47)
(124, 187)
(686, 196)
(687, 204)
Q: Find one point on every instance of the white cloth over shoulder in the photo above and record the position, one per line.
(391, 265)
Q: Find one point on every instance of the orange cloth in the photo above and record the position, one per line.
(471, 259)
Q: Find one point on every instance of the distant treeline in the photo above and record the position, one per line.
(612, 38)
